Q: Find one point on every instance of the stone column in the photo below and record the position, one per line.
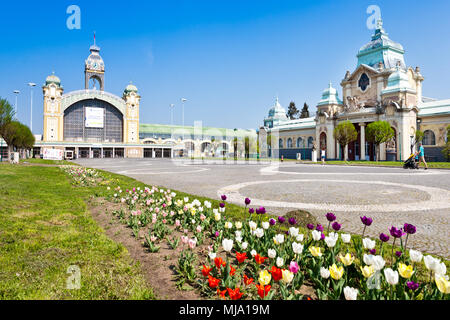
(346, 153)
(363, 141)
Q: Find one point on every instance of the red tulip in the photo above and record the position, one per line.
(222, 293)
(277, 273)
(241, 256)
(263, 291)
(206, 271)
(259, 259)
(213, 282)
(235, 294)
(219, 262)
(248, 281)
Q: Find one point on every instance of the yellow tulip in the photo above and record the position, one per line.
(405, 271)
(347, 259)
(193, 211)
(265, 277)
(336, 272)
(287, 276)
(443, 285)
(367, 271)
(315, 251)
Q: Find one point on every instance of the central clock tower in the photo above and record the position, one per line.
(94, 69)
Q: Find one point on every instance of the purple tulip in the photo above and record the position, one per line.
(366, 221)
(319, 228)
(322, 236)
(281, 219)
(373, 251)
(384, 237)
(217, 234)
(272, 222)
(396, 233)
(310, 226)
(224, 197)
(251, 211)
(412, 285)
(292, 221)
(247, 201)
(398, 254)
(261, 210)
(330, 217)
(222, 205)
(336, 226)
(409, 228)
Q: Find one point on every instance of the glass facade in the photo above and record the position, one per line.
(76, 131)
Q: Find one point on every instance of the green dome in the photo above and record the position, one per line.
(53, 79)
(130, 88)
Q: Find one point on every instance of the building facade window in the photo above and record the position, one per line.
(310, 142)
(429, 138)
(289, 143)
(280, 143)
(300, 143)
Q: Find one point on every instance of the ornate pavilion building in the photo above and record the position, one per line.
(93, 123)
(381, 87)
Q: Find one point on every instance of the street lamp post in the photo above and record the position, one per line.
(16, 92)
(31, 85)
(171, 114)
(183, 100)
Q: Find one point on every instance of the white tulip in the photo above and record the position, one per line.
(300, 237)
(271, 253)
(368, 244)
(228, 225)
(259, 233)
(330, 241)
(212, 255)
(265, 225)
(278, 239)
(324, 273)
(391, 276)
(378, 263)
(440, 270)
(346, 238)
(238, 225)
(227, 245)
(368, 259)
(350, 293)
(280, 262)
(430, 262)
(297, 248)
(238, 239)
(415, 256)
(244, 245)
(252, 225)
(253, 252)
(317, 235)
(293, 232)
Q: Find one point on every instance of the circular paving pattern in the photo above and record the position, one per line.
(421, 197)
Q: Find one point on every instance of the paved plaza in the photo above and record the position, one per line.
(391, 196)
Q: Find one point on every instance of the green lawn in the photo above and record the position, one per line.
(45, 228)
(49, 162)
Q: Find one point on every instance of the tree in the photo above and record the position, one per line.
(379, 132)
(6, 116)
(446, 150)
(292, 111)
(305, 112)
(18, 136)
(345, 133)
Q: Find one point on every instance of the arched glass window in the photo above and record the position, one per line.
(280, 143)
(289, 143)
(300, 143)
(364, 82)
(310, 142)
(429, 138)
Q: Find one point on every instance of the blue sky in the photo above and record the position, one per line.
(229, 58)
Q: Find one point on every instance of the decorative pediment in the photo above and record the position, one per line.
(361, 69)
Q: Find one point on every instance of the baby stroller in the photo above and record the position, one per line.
(411, 163)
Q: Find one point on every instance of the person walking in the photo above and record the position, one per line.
(421, 154)
(323, 155)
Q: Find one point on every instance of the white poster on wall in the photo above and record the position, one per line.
(53, 154)
(94, 118)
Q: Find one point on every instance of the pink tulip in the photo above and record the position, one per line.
(177, 223)
(293, 267)
(192, 243)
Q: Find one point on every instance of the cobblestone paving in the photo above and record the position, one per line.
(391, 196)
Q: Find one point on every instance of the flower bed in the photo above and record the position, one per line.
(261, 257)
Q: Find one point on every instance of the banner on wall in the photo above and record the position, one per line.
(53, 154)
(94, 118)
